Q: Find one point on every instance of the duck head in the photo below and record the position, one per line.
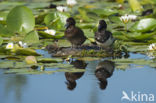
(102, 25)
(69, 22)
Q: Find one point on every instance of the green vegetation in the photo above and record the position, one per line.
(28, 24)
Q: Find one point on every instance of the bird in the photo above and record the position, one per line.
(74, 34)
(103, 37)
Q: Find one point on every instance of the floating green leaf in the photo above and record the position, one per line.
(31, 37)
(1, 41)
(4, 31)
(3, 51)
(56, 20)
(139, 36)
(103, 12)
(48, 36)
(49, 60)
(135, 5)
(49, 18)
(20, 19)
(26, 52)
(144, 25)
(135, 61)
(12, 64)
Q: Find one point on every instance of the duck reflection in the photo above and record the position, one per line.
(103, 71)
(72, 77)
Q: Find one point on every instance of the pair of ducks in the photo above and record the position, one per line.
(76, 36)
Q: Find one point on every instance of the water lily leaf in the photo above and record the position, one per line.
(103, 12)
(1, 41)
(31, 37)
(120, 1)
(48, 36)
(27, 71)
(138, 48)
(63, 16)
(144, 25)
(20, 19)
(49, 60)
(4, 51)
(86, 25)
(135, 5)
(56, 20)
(134, 61)
(83, 13)
(49, 18)
(139, 36)
(4, 31)
(12, 64)
(26, 52)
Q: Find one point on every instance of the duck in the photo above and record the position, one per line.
(74, 34)
(102, 37)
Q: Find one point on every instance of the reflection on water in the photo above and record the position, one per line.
(15, 84)
(100, 83)
(72, 77)
(103, 71)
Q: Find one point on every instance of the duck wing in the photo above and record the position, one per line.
(102, 36)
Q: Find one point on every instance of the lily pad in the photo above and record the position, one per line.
(31, 37)
(56, 20)
(48, 36)
(20, 19)
(27, 71)
(4, 32)
(1, 41)
(144, 25)
(3, 51)
(139, 36)
(12, 64)
(126, 62)
(49, 60)
(135, 5)
(103, 12)
(26, 52)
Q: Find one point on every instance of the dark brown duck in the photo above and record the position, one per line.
(103, 37)
(74, 34)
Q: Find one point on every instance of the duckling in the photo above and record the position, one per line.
(74, 34)
(103, 37)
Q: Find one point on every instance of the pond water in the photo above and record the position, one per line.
(52, 88)
(99, 80)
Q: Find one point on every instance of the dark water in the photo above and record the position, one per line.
(52, 88)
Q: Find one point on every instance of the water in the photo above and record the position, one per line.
(52, 88)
